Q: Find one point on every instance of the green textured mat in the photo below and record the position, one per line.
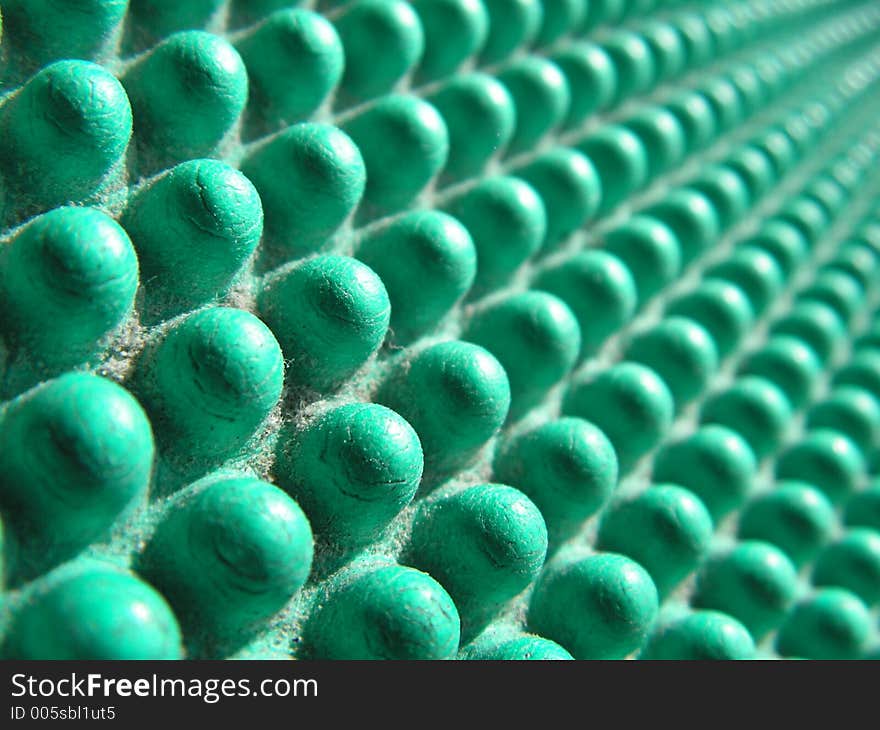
(478, 329)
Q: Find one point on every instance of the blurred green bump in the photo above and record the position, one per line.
(352, 469)
(512, 24)
(62, 133)
(597, 607)
(330, 315)
(567, 467)
(211, 382)
(80, 453)
(456, 395)
(753, 581)
(629, 402)
(95, 613)
(310, 178)
(788, 363)
(721, 308)
(194, 229)
(598, 288)
(479, 114)
(46, 30)
(569, 187)
(405, 143)
(852, 562)
(455, 30)
(701, 636)
(650, 250)
(230, 557)
(426, 246)
(591, 77)
(666, 529)
(535, 337)
(794, 516)
(507, 222)
(383, 40)
(294, 61)
(186, 95)
(73, 267)
(714, 462)
(825, 458)
(484, 544)
(620, 160)
(832, 623)
(681, 352)
(540, 95)
(386, 613)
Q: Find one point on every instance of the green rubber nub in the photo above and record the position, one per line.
(853, 411)
(633, 61)
(455, 30)
(569, 187)
(96, 613)
(387, 613)
(479, 116)
(79, 453)
(512, 24)
(753, 407)
(726, 191)
(186, 95)
(830, 624)
(62, 133)
(559, 19)
(621, 163)
(754, 582)
(520, 648)
(714, 462)
(211, 382)
(629, 402)
(229, 558)
(597, 607)
(852, 562)
(662, 137)
(701, 636)
(329, 314)
(456, 395)
(667, 48)
(194, 229)
(404, 143)
(66, 280)
(158, 18)
(310, 178)
(816, 324)
(795, 517)
(353, 469)
(721, 308)
(540, 96)
(695, 116)
(383, 41)
(839, 291)
(507, 223)
(681, 352)
(691, 218)
(41, 31)
(788, 363)
(665, 529)
(567, 467)
(863, 508)
(785, 243)
(598, 288)
(755, 272)
(755, 168)
(426, 246)
(862, 370)
(650, 250)
(535, 337)
(485, 544)
(294, 61)
(591, 77)
(826, 459)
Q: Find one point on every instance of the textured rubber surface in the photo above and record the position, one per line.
(479, 329)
